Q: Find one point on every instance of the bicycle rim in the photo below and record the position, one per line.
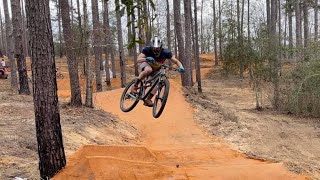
(128, 99)
(161, 98)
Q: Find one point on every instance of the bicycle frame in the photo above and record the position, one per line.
(153, 81)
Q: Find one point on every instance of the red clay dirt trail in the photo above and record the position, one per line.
(173, 147)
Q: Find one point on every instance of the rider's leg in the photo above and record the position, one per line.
(146, 69)
(148, 101)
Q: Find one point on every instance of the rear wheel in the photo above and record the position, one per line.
(129, 100)
(161, 98)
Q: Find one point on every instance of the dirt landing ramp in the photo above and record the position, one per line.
(173, 147)
(124, 162)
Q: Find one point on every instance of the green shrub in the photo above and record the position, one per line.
(302, 86)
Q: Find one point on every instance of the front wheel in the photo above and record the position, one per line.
(161, 98)
(129, 100)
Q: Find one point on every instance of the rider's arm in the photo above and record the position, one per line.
(141, 58)
(176, 61)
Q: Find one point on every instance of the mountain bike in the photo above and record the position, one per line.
(159, 80)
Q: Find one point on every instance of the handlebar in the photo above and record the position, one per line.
(168, 67)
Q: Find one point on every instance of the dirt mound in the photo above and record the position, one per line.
(123, 162)
(174, 147)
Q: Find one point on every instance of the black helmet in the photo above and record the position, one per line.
(156, 45)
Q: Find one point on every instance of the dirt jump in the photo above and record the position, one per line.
(172, 147)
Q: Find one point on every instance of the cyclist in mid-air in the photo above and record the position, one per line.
(150, 60)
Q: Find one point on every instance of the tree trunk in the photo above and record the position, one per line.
(71, 57)
(3, 48)
(24, 31)
(201, 29)
(10, 46)
(306, 30)
(59, 28)
(187, 76)
(46, 106)
(71, 10)
(111, 47)
(240, 38)
(268, 15)
(146, 24)
(305, 24)
(220, 31)
(175, 45)
(178, 31)
(97, 43)
(89, 88)
(140, 31)
(134, 48)
(290, 29)
(106, 38)
(216, 59)
(249, 39)
(238, 20)
(19, 54)
(168, 26)
(113, 62)
(242, 20)
(80, 54)
(285, 36)
(121, 50)
(273, 46)
(316, 20)
(79, 15)
(298, 24)
(129, 19)
(232, 25)
(279, 29)
(196, 39)
(193, 52)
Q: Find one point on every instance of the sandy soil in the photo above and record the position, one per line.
(226, 110)
(172, 147)
(136, 146)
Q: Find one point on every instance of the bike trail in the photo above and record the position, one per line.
(172, 147)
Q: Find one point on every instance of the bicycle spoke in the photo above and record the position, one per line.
(131, 95)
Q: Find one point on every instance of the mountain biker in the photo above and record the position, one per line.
(150, 60)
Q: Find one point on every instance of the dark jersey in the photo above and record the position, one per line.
(165, 54)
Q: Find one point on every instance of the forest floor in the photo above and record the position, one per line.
(216, 135)
(226, 109)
